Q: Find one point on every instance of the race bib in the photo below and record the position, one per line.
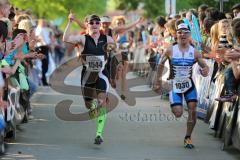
(181, 85)
(95, 63)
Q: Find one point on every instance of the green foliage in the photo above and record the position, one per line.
(127, 4)
(226, 5)
(154, 8)
(182, 5)
(52, 9)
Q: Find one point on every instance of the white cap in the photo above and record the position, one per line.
(172, 15)
(106, 19)
(184, 27)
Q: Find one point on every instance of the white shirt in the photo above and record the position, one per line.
(44, 34)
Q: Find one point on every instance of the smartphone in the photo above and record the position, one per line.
(38, 50)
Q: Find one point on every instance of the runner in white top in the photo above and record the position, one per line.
(182, 56)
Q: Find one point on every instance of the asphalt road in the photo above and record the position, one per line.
(144, 131)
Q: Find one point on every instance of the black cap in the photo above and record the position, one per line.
(93, 17)
(236, 6)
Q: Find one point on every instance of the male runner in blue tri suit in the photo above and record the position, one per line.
(182, 57)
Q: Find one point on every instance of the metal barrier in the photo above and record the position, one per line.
(223, 117)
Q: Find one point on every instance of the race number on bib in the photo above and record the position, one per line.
(95, 63)
(181, 85)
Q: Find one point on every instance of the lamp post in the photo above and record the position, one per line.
(221, 5)
(170, 7)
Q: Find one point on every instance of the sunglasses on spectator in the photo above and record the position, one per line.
(92, 22)
(183, 32)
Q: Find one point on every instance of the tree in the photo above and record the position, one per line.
(213, 3)
(154, 8)
(52, 9)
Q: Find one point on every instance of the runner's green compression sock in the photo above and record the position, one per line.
(101, 119)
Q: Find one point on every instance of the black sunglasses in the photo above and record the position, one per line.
(182, 31)
(92, 22)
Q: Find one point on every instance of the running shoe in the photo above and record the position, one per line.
(98, 140)
(188, 143)
(123, 97)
